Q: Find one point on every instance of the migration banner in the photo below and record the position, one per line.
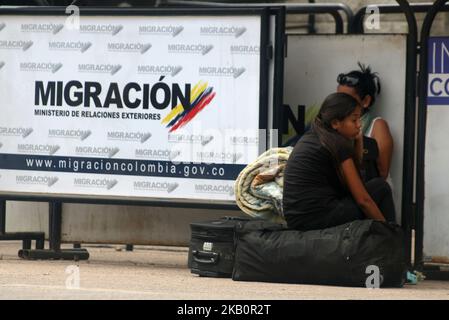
(130, 107)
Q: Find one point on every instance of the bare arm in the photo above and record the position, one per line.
(382, 135)
(358, 191)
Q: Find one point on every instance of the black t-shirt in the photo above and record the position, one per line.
(311, 183)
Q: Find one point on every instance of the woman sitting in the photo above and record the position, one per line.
(364, 86)
(322, 183)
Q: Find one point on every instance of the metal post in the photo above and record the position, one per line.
(311, 27)
(409, 125)
(26, 244)
(278, 83)
(55, 211)
(40, 244)
(2, 216)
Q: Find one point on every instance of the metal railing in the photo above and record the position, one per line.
(418, 7)
(333, 9)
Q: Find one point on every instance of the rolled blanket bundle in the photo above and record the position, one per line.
(259, 187)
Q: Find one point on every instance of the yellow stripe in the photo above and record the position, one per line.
(173, 113)
(194, 93)
(179, 108)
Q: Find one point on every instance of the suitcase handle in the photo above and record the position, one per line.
(212, 257)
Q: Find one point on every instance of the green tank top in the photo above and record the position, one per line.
(366, 119)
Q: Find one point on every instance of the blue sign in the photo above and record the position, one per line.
(438, 71)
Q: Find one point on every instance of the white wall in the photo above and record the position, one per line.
(87, 223)
(26, 216)
(436, 183)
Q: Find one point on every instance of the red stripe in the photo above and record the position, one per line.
(207, 99)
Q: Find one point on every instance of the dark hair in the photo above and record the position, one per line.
(336, 106)
(365, 82)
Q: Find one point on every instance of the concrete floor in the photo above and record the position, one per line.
(152, 273)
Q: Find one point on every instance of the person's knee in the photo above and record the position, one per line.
(381, 192)
(378, 185)
(376, 182)
(293, 222)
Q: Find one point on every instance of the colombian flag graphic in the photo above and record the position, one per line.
(200, 96)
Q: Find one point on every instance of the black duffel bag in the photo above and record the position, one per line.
(346, 255)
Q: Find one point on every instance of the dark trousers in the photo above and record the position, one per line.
(347, 210)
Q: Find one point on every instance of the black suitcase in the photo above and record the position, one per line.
(345, 255)
(212, 249)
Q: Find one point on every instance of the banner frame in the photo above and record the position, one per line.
(109, 11)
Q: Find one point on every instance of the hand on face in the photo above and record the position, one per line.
(350, 127)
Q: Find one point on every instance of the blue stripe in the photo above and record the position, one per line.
(438, 101)
(163, 168)
(439, 52)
